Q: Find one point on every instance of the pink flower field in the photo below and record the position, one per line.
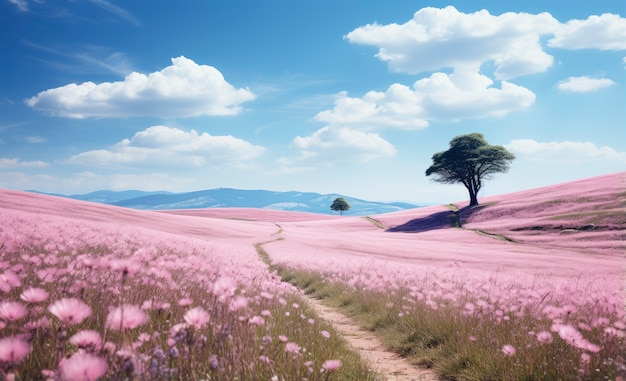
(90, 291)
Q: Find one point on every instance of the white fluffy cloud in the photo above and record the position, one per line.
(584, 84)
(161, 146)
(571, 152)
(446, 38)
(329, 145)
(441, 96)
(17, 163)
(184, 89)
(604, 32)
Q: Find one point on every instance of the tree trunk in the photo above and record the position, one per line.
(473, 197)
(472, 189)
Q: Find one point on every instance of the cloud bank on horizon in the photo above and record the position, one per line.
(189, 126)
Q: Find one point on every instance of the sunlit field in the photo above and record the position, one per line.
(531, 286)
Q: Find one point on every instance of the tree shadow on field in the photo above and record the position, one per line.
(440, 220)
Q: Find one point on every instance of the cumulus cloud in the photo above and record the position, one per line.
(572, 152)
(6, 163)
(446, 97)
(584, 84)
(162, 146)
(184, 89)
(330, 145)
(446, 38)
(604, 32)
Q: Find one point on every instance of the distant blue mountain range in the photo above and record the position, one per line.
(238, 198)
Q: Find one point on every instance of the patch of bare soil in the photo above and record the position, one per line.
(389, 365)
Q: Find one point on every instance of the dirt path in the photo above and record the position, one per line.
(388, 364)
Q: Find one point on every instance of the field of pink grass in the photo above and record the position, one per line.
(556, 252)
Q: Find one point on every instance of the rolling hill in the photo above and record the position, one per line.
(237, 198)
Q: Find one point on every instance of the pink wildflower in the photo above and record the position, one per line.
(125, 266)
(224, 287)
(256, 320)
(326, 334)
(42, 322)
(283, 338)
(126, 316)
(544, 337)
(83, 366)
(8, 280)
(508, 350)
(11, 311)
(197, 317)
(87, 339)
(292, 347)
(585, 358)
(34, 295)
(331, 365)
(238, 303)
(184, 302)
(70, 311)
(13, 349)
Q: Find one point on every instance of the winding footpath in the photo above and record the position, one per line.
(389, 365)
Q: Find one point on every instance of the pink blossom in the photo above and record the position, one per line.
(13, 349)
(70, 311)
(544, 337)
(87, 339)
(585, 358)
(197, 317)
(283, 338)
(508, 350)
(614, 332)
(326, 334)
(8, 280)
(83, 366)
(126, 317)
(331, 365)
(238, 303)
(184, 302)
(125, 266)
(42, 322)
(224, 287)
(292, 347)
(34, 295)
(11, 311)
(256, 320)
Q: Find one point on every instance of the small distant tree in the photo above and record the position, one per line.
(469, 161)
(340, 205)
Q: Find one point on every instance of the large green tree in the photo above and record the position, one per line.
(469, 161)
(340, 205)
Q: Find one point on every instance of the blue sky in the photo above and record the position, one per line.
(349, 97)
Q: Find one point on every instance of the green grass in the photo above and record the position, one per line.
(456, 346)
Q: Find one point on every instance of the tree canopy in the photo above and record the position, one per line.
(469, 161)
(340, 205)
